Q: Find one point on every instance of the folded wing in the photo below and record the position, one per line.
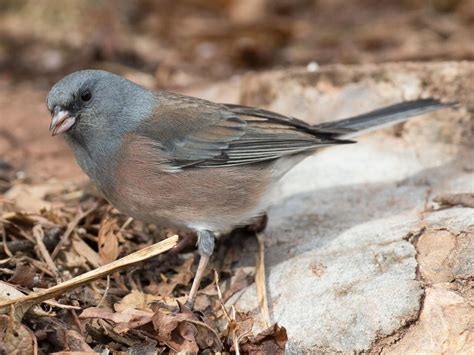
(204, 134)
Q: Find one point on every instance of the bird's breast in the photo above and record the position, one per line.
(198, 198)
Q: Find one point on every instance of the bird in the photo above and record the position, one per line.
(189, 163)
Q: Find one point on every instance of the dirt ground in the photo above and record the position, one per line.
(182, 46)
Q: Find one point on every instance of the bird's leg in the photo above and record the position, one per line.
(205, 245)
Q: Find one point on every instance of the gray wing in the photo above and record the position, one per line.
(201, 134)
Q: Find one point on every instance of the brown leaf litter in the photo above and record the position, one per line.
(70, 245)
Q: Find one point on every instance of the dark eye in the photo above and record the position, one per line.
(86, 95)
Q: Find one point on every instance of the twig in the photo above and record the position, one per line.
(107, 286)
(60, 305)
(219, 295)
(4, 240)
(126, 224)
(235, 338)
(70, 227)
(39, 235)
(5, 261)
(79, 325)
(5, 219)
(242, 336)
(261, 282)
(92, 275)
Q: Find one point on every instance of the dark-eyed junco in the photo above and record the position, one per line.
(176, 160)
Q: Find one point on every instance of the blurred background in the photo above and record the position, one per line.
(181, 43)
(184, 45)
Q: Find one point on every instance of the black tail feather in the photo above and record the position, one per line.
(384, 116)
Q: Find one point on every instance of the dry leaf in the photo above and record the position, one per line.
(270, 341)
(25, 275)
(165, 322)
(73, 260)
(133, 323)
(207, 336)
(31, 198)
(184, 332)
(108, 240)
(75, 342)
(8, 292)
(86, 251)
(183, 277)
(15, 337)
(116, 317)
(186, 342)
(136, 299)
(128, 319)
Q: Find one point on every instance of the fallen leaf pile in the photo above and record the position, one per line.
(51, 233)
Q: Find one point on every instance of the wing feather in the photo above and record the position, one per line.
(205, 134)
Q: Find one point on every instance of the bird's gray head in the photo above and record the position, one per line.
(91, 101)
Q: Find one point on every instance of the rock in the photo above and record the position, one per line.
(434, 250)
(444, 327)
(341, 257)
(446, 248)
(445, 321)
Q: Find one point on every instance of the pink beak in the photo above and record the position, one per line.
(61, 121)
